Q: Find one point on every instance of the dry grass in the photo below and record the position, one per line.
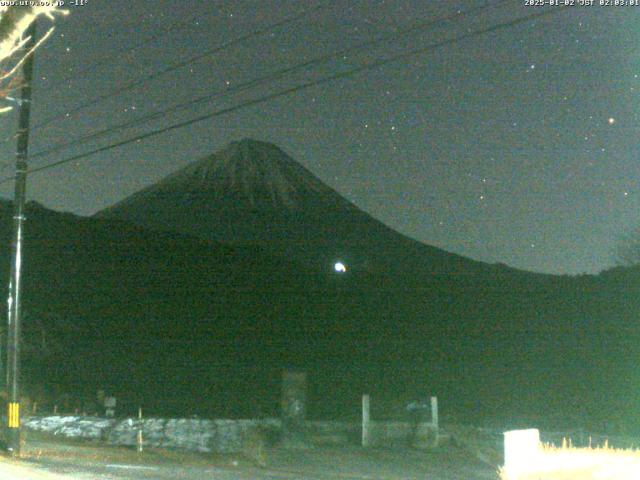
(571, 463)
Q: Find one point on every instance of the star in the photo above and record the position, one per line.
(611, 120)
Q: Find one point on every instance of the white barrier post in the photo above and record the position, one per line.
(434, 412)
(434, 418)
(365, 420)
(139, 436)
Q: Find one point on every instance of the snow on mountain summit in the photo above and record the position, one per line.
(251, 171)
(248, 191)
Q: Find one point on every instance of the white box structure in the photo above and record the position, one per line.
(521, 450)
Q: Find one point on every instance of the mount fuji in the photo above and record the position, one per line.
(252, 192)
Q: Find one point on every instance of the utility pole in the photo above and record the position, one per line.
(14, 301)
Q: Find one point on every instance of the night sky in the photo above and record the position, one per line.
(518, 146)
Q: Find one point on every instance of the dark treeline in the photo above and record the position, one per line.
(185, 326)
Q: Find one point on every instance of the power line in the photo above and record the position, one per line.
(327, 79)
(176, 66)
(125, 50)
(109, 59)
(297, 88)
(257, 81)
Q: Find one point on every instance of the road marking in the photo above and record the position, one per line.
(131, 467)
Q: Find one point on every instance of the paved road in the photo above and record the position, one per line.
(59, 471)
(11, 471)
(60, 460)
(47, 470)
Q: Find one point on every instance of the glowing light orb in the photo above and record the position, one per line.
(340, 267)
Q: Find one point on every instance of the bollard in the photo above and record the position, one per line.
(365, 421)
(139, 436)
(435, 421)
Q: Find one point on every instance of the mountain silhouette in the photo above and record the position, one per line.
(181, 322)
(252, 192)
